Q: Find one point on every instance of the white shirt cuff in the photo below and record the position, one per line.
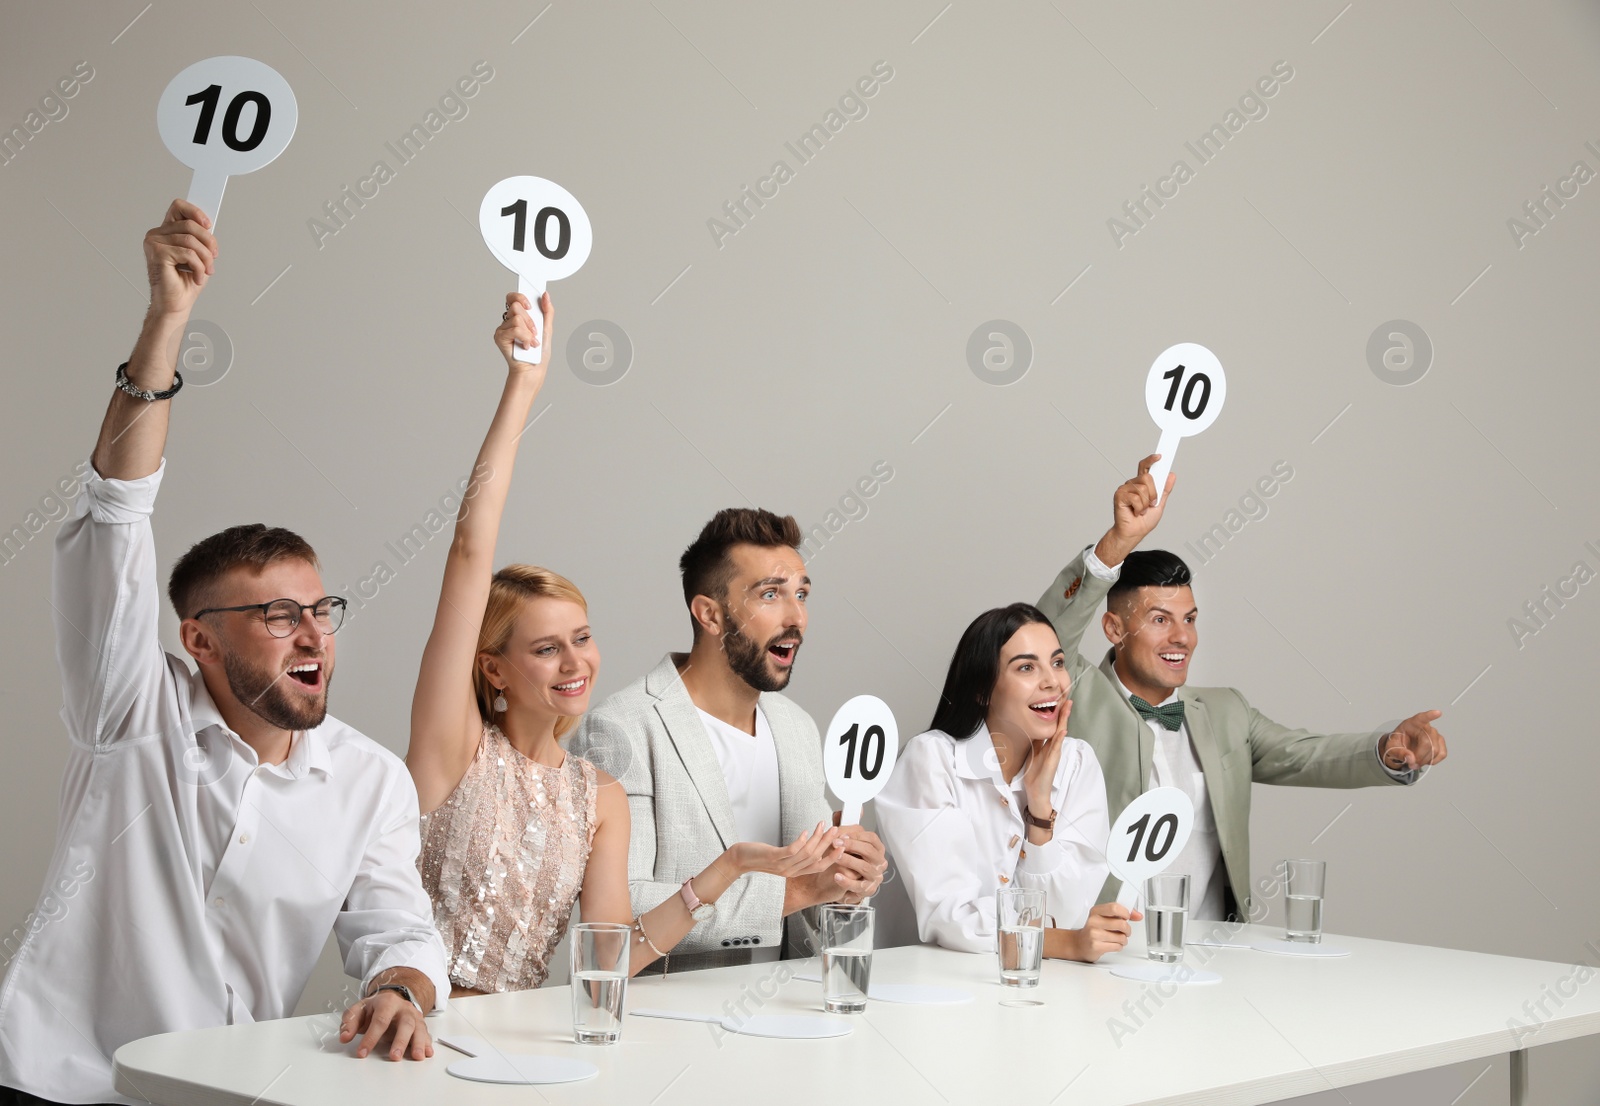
(1040, 860)
(119, 501)
(1098, 568)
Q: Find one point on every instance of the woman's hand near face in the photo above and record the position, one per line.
(1038, 777)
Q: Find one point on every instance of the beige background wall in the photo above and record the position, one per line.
(830, 334)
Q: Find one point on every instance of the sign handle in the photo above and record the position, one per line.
(533, 289)
(1168, 448)
(1128, 894)
(205, 192)
(850, 815)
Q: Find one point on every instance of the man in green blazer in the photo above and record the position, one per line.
(1148, 729)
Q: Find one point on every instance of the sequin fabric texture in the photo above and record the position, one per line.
(503, 862)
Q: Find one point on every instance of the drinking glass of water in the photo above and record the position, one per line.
(846, 957)
(1166, 910)
(1303, 885)
(1021, 925)
(599, 981)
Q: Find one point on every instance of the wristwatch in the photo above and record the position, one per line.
(1032, 819)
(699, 911)
(403, 991)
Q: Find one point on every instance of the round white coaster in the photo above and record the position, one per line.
(1149, 972)
(521, 1068)
(1298, 948)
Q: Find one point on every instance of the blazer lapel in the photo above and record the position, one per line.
(1204, 740)
(688, 734)
(1147, 740)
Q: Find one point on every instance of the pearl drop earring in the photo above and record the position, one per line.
(500, 703)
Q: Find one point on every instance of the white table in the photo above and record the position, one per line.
(1274, 1027)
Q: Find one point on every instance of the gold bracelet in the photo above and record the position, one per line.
(644, 938)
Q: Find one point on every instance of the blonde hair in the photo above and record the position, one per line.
(509, 591)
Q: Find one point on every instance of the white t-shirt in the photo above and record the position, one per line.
(750, 767)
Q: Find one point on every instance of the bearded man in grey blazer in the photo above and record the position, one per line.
(711, 755)
(1148, 728)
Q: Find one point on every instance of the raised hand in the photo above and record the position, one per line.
(179, 257)
(1134, 513)
(516, 330)
(1413, 744)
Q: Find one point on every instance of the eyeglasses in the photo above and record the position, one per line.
(282, 616)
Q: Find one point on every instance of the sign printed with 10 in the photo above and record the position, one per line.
(1184, 393)
(224, 117)
(859, 752)
(539, 231)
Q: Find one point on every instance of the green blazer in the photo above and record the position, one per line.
(1235, 743)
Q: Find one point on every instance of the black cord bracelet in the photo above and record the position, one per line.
(139, 393)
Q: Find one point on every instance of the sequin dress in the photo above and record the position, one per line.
(503, 862)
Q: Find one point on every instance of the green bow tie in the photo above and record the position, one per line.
(1170, 716)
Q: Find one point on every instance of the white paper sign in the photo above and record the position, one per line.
(224, 117)
(858, 753)
(1184, 394)
(539, 231)
(1147, 837)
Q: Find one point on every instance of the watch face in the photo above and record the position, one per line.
(704, 912)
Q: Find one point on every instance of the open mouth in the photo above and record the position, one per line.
(1174, 660)
(783, 652)
(1046, 709)
(307, 674)
(572, 688)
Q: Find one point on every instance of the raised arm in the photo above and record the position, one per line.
(179, 257)
(445, 724)
(106, 598)
(1071, 600)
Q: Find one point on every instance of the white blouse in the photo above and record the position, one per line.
(954, 829)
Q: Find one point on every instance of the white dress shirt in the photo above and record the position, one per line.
(1174, 764)
(955, 830)
(191, 886)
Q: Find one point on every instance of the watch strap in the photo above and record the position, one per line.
(1042, 823)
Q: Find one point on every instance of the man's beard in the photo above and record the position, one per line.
(748, 660)
(263, 693)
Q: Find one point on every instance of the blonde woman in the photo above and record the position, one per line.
(514, 828)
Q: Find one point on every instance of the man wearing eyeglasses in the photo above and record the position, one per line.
(214, 825)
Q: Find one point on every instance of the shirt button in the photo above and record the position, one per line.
(1014, 840)
(1004, 801)
(217, 901)
(244, 838)
(1005, 879)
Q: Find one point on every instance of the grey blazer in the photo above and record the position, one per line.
(1236, 744)
(651, 738)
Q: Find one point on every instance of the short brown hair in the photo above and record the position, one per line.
(253, 546)
(706, 566)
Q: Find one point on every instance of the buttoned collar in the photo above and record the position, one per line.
(308, 749)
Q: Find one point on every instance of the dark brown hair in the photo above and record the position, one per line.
(253, 546)
(706, 566)
(975, 668)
